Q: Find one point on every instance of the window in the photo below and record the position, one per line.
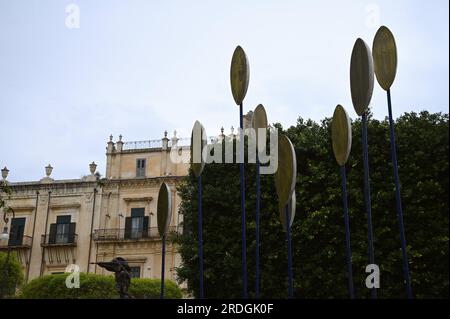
(136, 226)
(17, 229)
(140, 167)
(135, 272)
(62, 229)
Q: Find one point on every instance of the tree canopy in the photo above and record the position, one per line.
(318, 238)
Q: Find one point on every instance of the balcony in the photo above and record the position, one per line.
(123, 235)
(24, 242)
(59, 240)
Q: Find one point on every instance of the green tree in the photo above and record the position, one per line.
(319, 264)
(11, 275)
(93, 286)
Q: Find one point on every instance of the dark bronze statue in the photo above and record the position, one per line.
(119, 266)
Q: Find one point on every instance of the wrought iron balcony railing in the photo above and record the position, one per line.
(59, 240)
(122, 234)
(24, 242)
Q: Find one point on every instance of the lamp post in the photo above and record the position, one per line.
(5, 236)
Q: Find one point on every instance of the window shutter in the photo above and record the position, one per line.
(16, 233)
(145, 227)
(127, 227)
(52, 234)
(72, 233)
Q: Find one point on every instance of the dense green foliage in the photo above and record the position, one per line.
(5, 193)
(11, 275)
(94, 286)
(318, 238)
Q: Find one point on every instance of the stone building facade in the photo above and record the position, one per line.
(81, 221)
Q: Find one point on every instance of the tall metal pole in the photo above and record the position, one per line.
(242, 177)
(367, 200)
(163, 264)
(398, 199)
(258, 196)
(347, 234)
(200, 235)
(90, 232)
(289, 249)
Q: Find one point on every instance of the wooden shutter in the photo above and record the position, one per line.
(16, 233)
(145, 227)
(127, 227)
(72, 233)
(52, 234)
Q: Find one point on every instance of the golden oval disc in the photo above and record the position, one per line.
(197, 146)
(259, 121)
(286, 174)
(164, 209)
(384, 53)
(361, 76)
(239, 75)
(341, 135)
(291, 209)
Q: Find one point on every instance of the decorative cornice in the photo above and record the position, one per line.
(22, 208)
(138, 199)
(133, 182)
(64, 206)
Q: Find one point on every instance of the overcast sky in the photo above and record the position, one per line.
(138, 68)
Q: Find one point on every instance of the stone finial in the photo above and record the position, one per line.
(110, 146)
(119, 144)
(92, 168)
(48, 170)
(222, 130)
(174, 138)
(165, 141)
(232, 130)
(5, 172)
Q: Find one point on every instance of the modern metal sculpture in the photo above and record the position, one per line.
(259, 121)
(384, 53)
(239, 77)
(164, 215)
(119, 266)
(285, 180)
(361, 85)
(198, 143)
(341, 135)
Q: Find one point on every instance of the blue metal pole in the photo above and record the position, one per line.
(258, 196)
(399, 200)
(289, 247)
(241, 168)
(200, 235)
(373, 291)
(347, 234)
(163, 264)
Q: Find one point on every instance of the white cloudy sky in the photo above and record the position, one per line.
(137, 68)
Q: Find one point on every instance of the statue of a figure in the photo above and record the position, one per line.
(119, 266)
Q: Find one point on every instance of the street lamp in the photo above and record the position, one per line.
(5, 236)
(5, 172)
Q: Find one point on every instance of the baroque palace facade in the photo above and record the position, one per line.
(81, 221)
